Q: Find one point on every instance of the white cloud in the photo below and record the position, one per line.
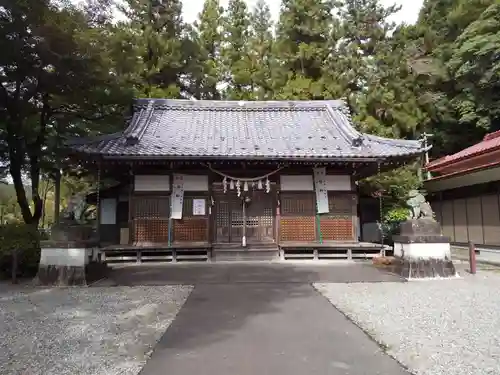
(408, 13)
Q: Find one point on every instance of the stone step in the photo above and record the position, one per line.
(245, 255)
(225, 252)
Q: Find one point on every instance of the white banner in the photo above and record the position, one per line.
(321, 190)
(177, 197)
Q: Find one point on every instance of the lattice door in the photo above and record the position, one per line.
(228, 216)
(260, 218)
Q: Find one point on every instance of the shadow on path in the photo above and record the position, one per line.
(244, 319)
(228, 273)
(266, 328)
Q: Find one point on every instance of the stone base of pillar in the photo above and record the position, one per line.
(422, 252)
(413, 269)
(68, 267)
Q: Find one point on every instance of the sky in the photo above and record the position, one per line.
(408, 13)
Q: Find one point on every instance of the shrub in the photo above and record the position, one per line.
(25, 240)
(396, 215)
(391, 222)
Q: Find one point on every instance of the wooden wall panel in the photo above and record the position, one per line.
(491, 219)
(460, 220)
(301, 229)
(150, 216)
(191, 228)
(338, 224)
(150, 231)
(475, 220)
(298, 220)
(337, 228)
(447, 219)
(437, 207)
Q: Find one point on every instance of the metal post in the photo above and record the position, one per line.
(472, 258)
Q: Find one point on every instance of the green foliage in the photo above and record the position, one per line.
(68, 71)
(235, 52)
(208, 37)
(25, 240)
(394, 185)
(302, 46)
(455, 80)
(55, 81)
(152, 48)
(262, 61)
(396, 215)
(475, 68)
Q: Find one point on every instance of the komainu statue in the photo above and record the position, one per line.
(419, 207)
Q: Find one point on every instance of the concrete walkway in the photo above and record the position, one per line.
(267, 328)
(236, 273)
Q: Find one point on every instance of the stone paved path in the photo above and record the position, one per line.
(267, 328)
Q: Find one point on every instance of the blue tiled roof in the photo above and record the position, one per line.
(164, 128)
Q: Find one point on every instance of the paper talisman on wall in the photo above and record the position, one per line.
(321, 190)
(177, 196)
(199, 207)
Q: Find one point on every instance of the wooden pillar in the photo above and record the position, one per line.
(130, 205)
(277, 219)
(244, 228)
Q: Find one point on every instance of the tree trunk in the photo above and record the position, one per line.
(16, 174)
(14, 266)
(57, 196)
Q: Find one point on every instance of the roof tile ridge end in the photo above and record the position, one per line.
(135, 133)
(346, 127)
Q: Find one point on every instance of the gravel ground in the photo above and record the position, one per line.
(432, 327)
(98, 331)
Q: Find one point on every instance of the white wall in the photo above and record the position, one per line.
(144, 182)
(296, 183)
(108, 210)
(305, 183)
(338, 182)
(195, 182)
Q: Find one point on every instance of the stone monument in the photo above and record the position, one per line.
(420, 249)
(69, 257)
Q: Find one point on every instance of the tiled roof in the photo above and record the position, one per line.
(162, 128)
(490, 142)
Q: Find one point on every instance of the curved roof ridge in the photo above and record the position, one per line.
(394, 142)
(314, 130)
(226, 104)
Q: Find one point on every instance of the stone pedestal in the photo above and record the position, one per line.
(70, 258)
(421, 251)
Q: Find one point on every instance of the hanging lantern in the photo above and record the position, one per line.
(259, 185)
(231, 185)
(224, 184)
(245, 186)
(268, 185)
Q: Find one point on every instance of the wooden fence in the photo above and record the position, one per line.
(475, 219)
